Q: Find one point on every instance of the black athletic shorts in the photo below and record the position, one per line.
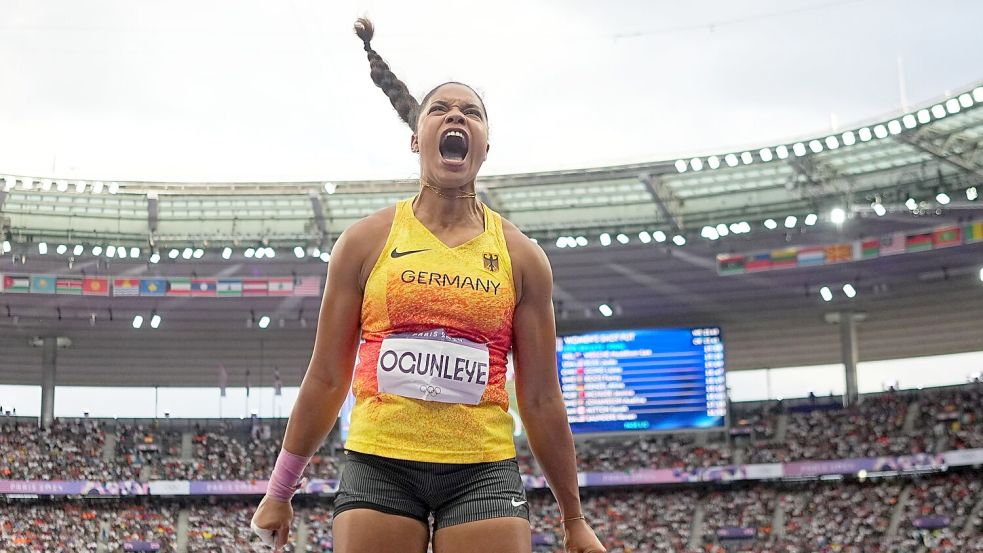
(453, 493)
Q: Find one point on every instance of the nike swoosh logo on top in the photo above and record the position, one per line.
(517, 503)
(396, 254)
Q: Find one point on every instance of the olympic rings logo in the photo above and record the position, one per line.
(430, 390)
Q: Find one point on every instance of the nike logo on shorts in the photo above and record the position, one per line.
(516, 503)
(396, 254)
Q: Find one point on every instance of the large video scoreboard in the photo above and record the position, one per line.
(643, 379)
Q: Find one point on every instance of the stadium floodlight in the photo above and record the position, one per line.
(826, 293)
(316, 252)
(894, 126)
(605, 239)
(746, 158)
(696, 163)
(198, 253)
(765, 154)
(849, 290)
(561, 242)
(942, 198)
(811, 219)
(848, 138)
(880, 131)
(713, 162)
(605, 310)
(924, 116)
(659, 236)
(110, 251)
(972, 193)
(730, 160)
(865, 134)
(114, 188)
(623, 238)
(155, 258)
(799, 149)
(581, 241)
(155, 321)
(78, 249)
(981, 274)
(6, 246)
(790, 221)
(173, 253)
(735, 228)
(264, 321)
(938, 111)
(298, 252)
(679, 240)
(911, 204)
(330, 187)
(61, 249)
(187, 253)
(249, 252)
(816, 146)
(978, 94)
(42, 248)
(952, 105)
(325, 257)
(270, 252)
(121, 252)
(709, 233)
(260, 253)
(134, 252)
(770, 224)
(681, 165)
(138, 321)
(837, 216)
(80, 186)
(722, 230)
(226, 253)
(97, 187)
(909, 121)
(645, 237)
(62, 186)
(878, 209)
(832, 143)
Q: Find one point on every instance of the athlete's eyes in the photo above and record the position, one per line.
(436, 107)
(474, 113)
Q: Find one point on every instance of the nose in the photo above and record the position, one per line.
(454, 117)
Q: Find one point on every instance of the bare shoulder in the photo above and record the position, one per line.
(362, 242)
(529, 261)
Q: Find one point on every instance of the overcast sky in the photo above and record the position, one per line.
(279, 90)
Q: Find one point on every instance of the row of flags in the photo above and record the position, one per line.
(858, 250)
(304, 286)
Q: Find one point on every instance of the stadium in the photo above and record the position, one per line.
(768, 349)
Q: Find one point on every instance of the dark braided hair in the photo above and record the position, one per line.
(399, 96)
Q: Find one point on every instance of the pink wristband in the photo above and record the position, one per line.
(284, 481)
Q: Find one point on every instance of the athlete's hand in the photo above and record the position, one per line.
(579, 538)
(271, 522)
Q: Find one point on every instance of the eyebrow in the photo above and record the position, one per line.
(466, 106)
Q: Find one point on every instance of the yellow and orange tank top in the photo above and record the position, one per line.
(429, 384)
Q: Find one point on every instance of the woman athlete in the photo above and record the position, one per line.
(441, 288)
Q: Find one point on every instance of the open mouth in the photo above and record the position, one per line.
(453, 145)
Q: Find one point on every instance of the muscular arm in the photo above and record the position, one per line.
(329, 374)
(537, 383)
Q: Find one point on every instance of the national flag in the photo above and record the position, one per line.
(223, 379)
(95, 286)
(204, 287)
(309, 286)
(180, 286)
(229, 288)
(42, 284)
(944, 237)
(973, 232)
(838, 253)
(918, 242)
(757, 262)
(866, 248)
(726, 264)
(281, 286)
(69, 285)
(254, 287)
(126, 287)
(16, 284)
(892, 244)
(277, 383)
(784, 258)
(153, 286)
(811, 255)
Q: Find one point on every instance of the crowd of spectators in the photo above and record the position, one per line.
(658, 451)
(952, 497)
(224, 528)
(43, 527)
(68, 450)
(752, 507)
(151, 523)
(955, 416)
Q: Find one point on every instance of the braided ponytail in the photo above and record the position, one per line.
(399, 96)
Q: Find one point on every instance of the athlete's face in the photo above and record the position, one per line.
(451, 137)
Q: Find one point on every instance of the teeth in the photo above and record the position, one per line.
(455, 133)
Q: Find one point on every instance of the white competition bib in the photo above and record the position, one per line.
(433, 366)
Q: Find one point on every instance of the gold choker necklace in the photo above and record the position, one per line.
(437, 191)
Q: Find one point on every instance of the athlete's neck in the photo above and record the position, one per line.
(446, 210)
